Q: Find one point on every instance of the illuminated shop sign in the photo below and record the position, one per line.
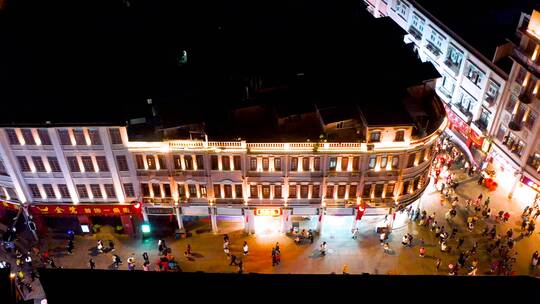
(527, 181)
(268, 211)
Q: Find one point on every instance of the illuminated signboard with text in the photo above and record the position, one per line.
(268, 211)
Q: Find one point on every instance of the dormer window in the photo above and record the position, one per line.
(400, 135)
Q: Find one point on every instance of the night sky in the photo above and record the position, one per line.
(116, 53)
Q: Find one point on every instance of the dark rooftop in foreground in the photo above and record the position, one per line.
(67, 285)
(482, 24)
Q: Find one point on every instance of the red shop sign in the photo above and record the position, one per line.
(457, 123)
(268, 211)
(96, 210)
(9, 205)
(477, 139)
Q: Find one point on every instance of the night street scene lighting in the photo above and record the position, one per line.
(283, 150)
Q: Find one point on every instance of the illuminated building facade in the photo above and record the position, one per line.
(488, 82)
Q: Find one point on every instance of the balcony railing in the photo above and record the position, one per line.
(525, 96)
(415, 33)
(453, 66)
(433, 49)
(465, 112)
(482, 125)
(515, 125)
(525, 61)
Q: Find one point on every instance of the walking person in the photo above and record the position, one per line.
(323, 249)
(145, 257)
(233, 261)
(460, 242)
(116, 261)
(277, 247)
(100, 246)
(422, 251)
(131, 262)
(240, 267)
(111, 246)
(70, 247)
(311, 237)
(437, 264)
(274, 258)
(245, 248)
(92, 264)
(28, 260)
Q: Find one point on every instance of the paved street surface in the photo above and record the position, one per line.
(362, 255)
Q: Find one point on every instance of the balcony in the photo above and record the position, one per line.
(468, 115)
(490, 100)
(265, 173)
(453, 66)
(520, 57)
(482, 125)
(415, 33)
(433, 49)
(515, 125)
(525, 96)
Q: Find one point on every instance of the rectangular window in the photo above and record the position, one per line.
(82, 191)
(49, 191)
(53, 163)
(352, 191)
(511, 104)
(316, 191)
(63, 135)
(23, 163)
(410, 160)
(402, 9)
(305, 163)
(448, 85)
(330, 191)
(344, 163)
(227, 189)
(35, 190)
(167, 190)
(422, 155)
(188, 162)
(73, 164)
(78, 134)
(332, 163)
(294, 163)
(145, 188)
(12, 136)
(366, 193)
(400, 135)
(266, 191)
(238, 191)
(157, 190)
(38, 163)
(200, 162)
(96, 190)
(390, 190)
(102, 164)
(12, 194)
(384, 161)
(341, 191)
(116, 138)
(277, 163)
(253, 193)
(304, 190)
(95, 139)
(177, 162)
(64, 192)
(202, 190)
(237, 162)
(372, 162)
(226, 163)
(492, 92)
(405, 189)
(253, 164)
(375, 136)
(140, 162)
(121, 160)
(356, 163)
(151, 161)
(395, 161)
(128, 189)
(265, 163)
(531, 119)
(292, 191)
(214, 162)
(316, 163)
(418, 23)
(162, 162)
(378, 190)
(474, 74)
(3, 170)
(87, 163)
(277, 191)
(454, 56)
(435, 41)
(28, 137)
(109, 190)
(466, 103)
(193, 190)
(181, 191)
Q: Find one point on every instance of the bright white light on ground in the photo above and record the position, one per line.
(267, 225)
(85, 228)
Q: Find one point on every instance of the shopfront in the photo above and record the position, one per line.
(305, 218)
(268, 221)
(230, 219)
(162, 220)
(8, 212)
(527, 191)
(338, 222)
(85, 218)
(458, 125)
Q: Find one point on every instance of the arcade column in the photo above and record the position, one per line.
(286, 220)
(127, 223)
(213, 218)
(249, 221)
(320, 221)
(179, 218)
